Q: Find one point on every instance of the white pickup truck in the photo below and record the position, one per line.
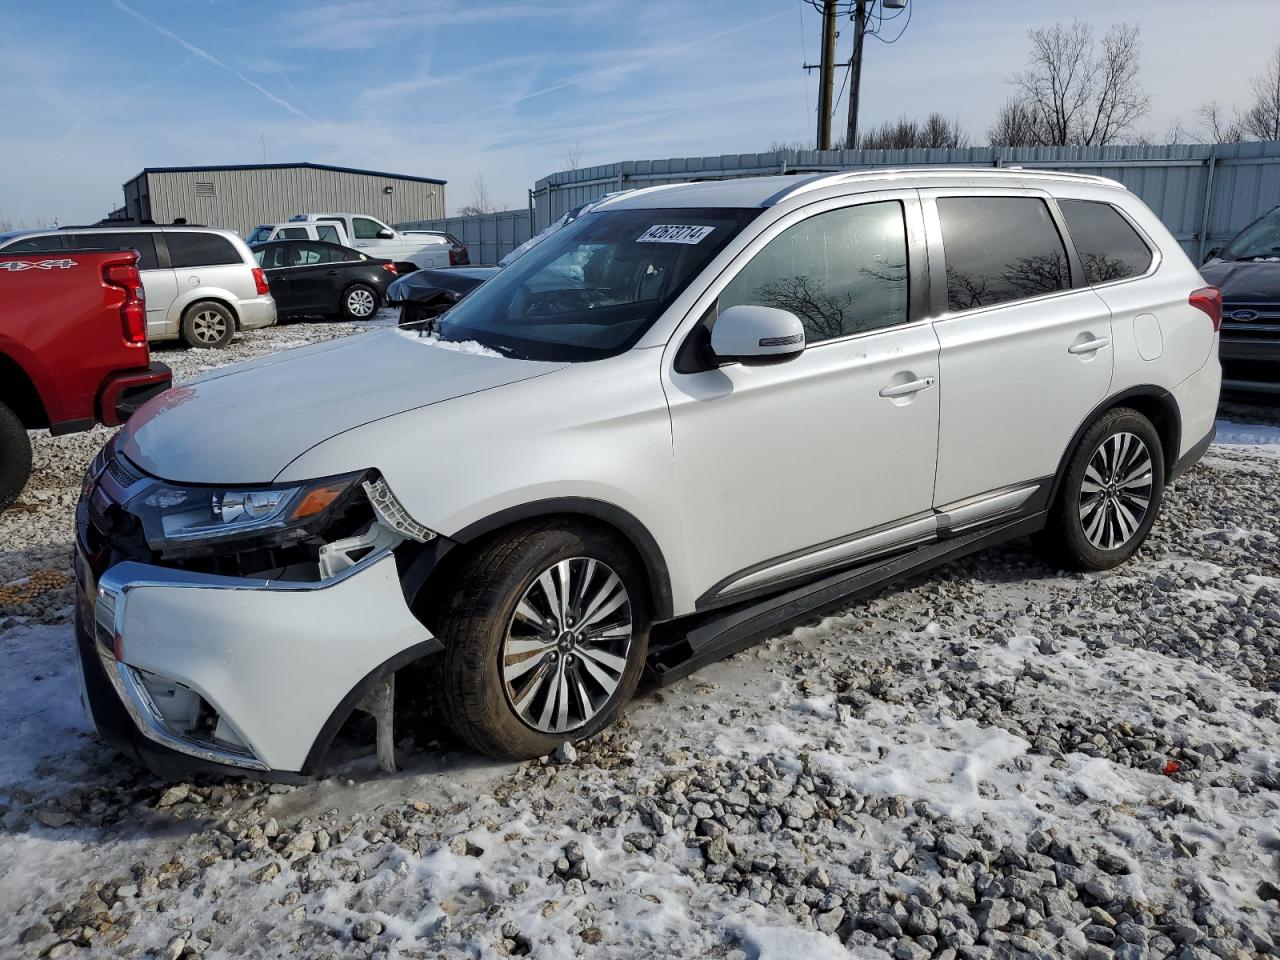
(372, 236)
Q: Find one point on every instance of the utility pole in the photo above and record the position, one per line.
(827, 74)
(855, 75)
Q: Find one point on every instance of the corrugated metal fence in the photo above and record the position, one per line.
(489, 237)
(1204, 194)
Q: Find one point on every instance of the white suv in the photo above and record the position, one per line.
(744, 400)
(202, 284)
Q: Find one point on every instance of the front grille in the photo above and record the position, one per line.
(1251, 320)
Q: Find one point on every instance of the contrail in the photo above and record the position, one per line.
(653, 55)
(205, 55)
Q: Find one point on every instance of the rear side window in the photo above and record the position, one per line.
(1000, 249)
(328, 232)
(200, 250)
(44, 242)
(841, 272)
(308, 254)
(1109, 247)
(144, 243)
(293, 233)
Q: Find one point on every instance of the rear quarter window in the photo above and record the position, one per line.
(200, 250)
(1109, 247)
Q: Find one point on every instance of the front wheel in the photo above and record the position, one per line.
(545, 635)
(1110, 495)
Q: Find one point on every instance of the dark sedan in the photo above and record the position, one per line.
(311, 278)
(1247, 271)
(425, 294)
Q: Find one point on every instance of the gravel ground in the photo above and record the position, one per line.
(994, 761)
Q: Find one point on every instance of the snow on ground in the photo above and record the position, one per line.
(995, 760)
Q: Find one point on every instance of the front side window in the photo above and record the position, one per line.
(1109, 247)
(592, 289)
(138, 240)
(200, 250)
(270, 257)
(999, 249)
(1258, 241)
(366, 229)
(841, 272)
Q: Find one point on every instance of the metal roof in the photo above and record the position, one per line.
(289, 166)
(767, 191)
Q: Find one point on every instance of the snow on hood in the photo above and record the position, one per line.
(246, 422)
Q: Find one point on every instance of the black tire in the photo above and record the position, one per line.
(207, 325)
(360, 302)
(1069, 541)
(479, 612)
(15, 456)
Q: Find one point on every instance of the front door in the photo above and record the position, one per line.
(1026, 347)
(312, 277)
(826, 459)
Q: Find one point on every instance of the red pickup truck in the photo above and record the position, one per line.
(73, 350)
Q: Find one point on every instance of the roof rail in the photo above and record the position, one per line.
(877, 173)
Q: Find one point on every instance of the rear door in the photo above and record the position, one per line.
(208, 261)
(1026, 346)
(158, 280)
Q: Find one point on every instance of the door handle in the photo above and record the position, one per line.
(908, 388)
(1089, 346)
(331, 273)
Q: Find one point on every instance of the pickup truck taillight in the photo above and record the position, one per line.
(133, 312)
(260, 279)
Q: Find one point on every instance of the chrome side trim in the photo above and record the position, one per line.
(914, 531)
(974, 510)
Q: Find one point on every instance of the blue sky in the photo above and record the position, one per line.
(99, 89)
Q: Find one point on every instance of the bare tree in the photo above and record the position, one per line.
(907, 134)
(1216, 126)
(480, 202)
(1262, 119)
(1080, 94)
(1015, 126)
(788, 146)
(573, 157)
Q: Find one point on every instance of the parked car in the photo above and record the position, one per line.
(201, 284)
(312, 278)
(425, 294)
(738, 402)
(370, 235)
(459, 254)
(328, 232)
(73, 350)
(1248, 271)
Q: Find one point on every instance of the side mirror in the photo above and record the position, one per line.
(1216, 251)
(752, 335)
(385, 235)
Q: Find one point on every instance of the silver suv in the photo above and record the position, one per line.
(202, 284)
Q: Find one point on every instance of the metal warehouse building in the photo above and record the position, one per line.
(241, 197)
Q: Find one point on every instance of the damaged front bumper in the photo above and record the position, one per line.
(188, 671)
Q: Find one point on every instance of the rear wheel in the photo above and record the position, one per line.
(359, 302)
(15, 456)
(545, 637)
(207, 325)
(1110, 496)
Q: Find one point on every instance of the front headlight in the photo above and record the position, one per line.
(179, 519)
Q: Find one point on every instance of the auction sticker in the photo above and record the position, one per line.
(674, 233)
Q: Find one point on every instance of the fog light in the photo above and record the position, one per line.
(179, 706)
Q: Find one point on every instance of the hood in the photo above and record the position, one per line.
(244, 423)
(1245, 281)
(459, 280)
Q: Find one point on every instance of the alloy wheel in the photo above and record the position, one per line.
(567, 645)
(209, 326)
(1116, 491)
(360, 303)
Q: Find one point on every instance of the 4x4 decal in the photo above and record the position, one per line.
(14, 266)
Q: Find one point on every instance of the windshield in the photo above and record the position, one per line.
(259, 234)
(593, 288)
(1258, 241)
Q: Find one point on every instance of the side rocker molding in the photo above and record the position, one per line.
(635, 532)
